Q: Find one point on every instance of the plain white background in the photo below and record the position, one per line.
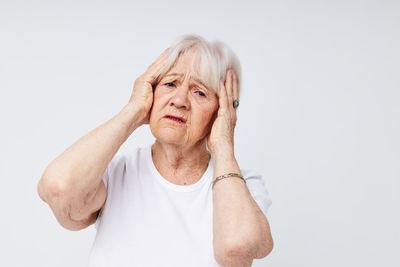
(319, 114)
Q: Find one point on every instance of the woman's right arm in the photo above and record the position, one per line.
(72, 184)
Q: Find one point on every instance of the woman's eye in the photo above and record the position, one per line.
(170, 84)
(200, 93)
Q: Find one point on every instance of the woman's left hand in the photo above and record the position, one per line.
(222, 131)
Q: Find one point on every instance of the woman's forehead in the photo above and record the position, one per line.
(185, 75)
(188, 66)
(187, 63)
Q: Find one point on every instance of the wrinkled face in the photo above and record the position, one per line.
(183, 108)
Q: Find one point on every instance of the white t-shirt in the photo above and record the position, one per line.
(148, 221)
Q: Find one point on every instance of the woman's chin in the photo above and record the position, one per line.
(170, 137)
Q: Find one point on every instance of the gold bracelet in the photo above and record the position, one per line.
(226, 176)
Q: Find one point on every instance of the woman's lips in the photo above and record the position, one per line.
(177, 119)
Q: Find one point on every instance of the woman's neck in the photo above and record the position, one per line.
(180, 165)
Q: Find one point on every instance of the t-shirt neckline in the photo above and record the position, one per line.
(180, 188)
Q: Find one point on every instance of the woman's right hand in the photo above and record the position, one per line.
(142, 94)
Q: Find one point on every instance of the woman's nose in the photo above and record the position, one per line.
(180, 99)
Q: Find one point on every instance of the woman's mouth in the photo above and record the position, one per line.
(177, 119)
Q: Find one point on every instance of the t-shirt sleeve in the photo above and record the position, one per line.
(105, 179)
(115, 169)
(258, 190)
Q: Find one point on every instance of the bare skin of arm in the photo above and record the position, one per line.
(239, 224)
(241, 231)
(72, 184)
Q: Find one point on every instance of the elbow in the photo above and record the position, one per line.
(235, 256)
(269, 249)
(265, 249)
(41, 191)
(52, 184)
(47, 188)
(68, 204)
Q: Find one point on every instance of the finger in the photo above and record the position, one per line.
(156, 66)
(235, 92)
(228, 86)
(223, 101)
(235, 87)
(160, 57)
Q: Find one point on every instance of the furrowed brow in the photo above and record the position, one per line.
(180, 75)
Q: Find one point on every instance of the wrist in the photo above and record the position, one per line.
(225, 158)
(131, 116)
(225, 163)
(225, 150)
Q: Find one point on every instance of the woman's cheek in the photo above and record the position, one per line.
(208, 117)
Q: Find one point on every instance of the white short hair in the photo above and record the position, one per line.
(214, 59)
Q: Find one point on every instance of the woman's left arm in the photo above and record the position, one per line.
(241, 231)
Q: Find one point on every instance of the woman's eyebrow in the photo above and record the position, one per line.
(180, 75)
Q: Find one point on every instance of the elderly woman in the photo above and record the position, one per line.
(183, 201)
